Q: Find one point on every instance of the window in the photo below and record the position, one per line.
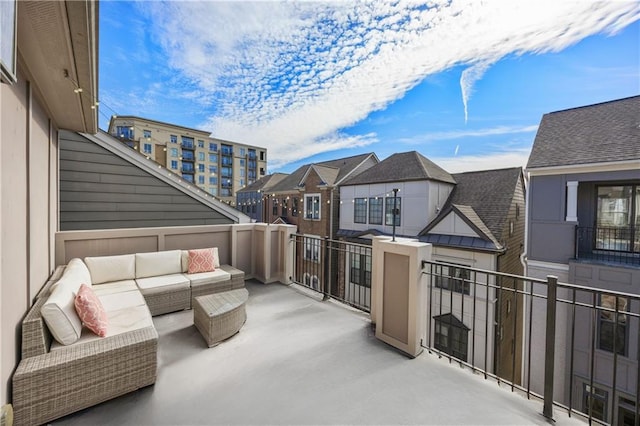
(213, 190)
(294, 207)
(201, 156)
(626, 411)
(360, 210)
(174, 152)
(451, 336)
(188, 178)
(389, 213)
(312, 248)
(312, 207)
(241, 172)
(453, 279)
(360, 269)
(174, 164)
(201, 167)
(213, 146)
(262, 171)
(262, 155)
(187, 142)
(375, 211)
(595, 402)
(173, 138)
(609, 327)
(284, 207)
(200, 180)
(275, 207)
(213, 158)
(243, 152)
(213, 180)
(213, 169)
(147, 148)
(146, 134)
(618, 218)
(241, 183)
(242, 162)
(125, 132)
(200, 143)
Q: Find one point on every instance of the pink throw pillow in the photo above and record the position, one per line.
(91, 311)
(201, 260)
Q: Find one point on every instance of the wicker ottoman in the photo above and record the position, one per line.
(221, 315)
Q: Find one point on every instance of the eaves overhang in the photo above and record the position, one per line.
(610, 166)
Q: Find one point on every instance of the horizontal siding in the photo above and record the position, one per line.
(99, 190)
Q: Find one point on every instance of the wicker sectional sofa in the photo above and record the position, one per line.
(65, 368)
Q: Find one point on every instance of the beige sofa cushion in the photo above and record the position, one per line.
(115, 287)
(120, 321)
(162, 284)
(208, 277)
(158, 263)
(59, 311)
(106, 269)
(185, 259)
(116, 301)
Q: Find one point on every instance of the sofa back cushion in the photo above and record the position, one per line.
(185, 259)
(158, 263)
(106, 269)
(59, 311)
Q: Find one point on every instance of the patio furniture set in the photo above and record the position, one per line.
(89, 336)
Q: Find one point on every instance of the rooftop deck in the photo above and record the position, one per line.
(298, 360)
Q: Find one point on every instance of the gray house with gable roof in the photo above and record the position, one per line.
(583, 226)
(473, 219)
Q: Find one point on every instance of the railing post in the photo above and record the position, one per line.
(550, 343)
(325, 270)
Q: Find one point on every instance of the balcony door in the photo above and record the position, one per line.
(618, 218)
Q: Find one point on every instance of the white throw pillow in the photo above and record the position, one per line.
(105, 269)
(59, 311)
(158, 263)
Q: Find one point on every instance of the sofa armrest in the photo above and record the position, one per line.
(69, 379)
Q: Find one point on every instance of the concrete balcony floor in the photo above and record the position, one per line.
(301, 361)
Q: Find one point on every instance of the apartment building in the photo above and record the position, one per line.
(583, 226)
(217, 166)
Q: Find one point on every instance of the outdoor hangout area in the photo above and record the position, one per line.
(240, 344)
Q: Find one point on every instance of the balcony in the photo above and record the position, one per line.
(299, 360)
(611, 245)
(304, 345)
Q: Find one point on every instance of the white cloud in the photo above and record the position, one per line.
(496, 160)
(291, 75)
(468, 79)
(459, 134)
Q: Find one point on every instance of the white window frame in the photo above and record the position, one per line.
(308, 198)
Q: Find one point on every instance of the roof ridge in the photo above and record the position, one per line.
(593, 105)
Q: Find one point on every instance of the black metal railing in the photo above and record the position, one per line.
(338, 269)
(507, 326)
(609, 244)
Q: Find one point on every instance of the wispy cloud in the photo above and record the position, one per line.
(495, 160)
(291, 75)
(459, 134)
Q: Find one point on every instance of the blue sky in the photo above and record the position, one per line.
(464, 83)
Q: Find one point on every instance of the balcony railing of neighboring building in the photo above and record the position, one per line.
(188, 156)
(226, 150)
(188, 168)
(252, 155)
(619, 245)
(227, 161)
(601, 337)
(338, 269)
(188, 144)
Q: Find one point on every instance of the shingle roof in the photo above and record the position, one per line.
(488, 194)
(405, 166)
(344, 166)
(327, 174)
(264, 182)
(604, 132)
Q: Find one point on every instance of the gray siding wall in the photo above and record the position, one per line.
(618, 278)
(550, 237)
(99, 190)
